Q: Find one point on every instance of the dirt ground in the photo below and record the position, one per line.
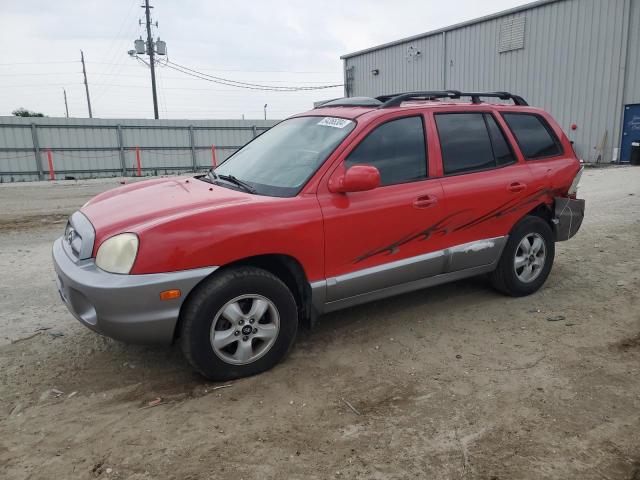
(453, 382)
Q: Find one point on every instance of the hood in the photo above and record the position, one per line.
(132, 207)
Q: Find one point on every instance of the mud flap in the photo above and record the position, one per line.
(569, 214)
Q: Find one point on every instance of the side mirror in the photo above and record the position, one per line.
(358, 178)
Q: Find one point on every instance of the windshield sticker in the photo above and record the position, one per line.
(334, 122)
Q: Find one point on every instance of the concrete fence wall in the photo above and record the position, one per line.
(39, 148)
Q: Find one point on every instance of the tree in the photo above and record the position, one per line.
(23, 112)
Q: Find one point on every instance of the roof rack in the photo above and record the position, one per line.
(351, 102)
(396, 100)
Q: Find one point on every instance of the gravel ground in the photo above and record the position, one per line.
(452, 382)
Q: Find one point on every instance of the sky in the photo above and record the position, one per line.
(276, 42)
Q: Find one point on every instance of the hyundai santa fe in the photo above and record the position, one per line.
(356, 200)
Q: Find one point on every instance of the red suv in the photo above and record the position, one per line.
(356, 200)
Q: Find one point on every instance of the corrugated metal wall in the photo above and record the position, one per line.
(632, 81)
(572, 64)
(87, 148)
(399, 72)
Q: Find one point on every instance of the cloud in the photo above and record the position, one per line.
(269, 42)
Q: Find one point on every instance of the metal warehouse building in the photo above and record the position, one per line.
(577, 59)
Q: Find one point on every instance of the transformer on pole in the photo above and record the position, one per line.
(150, 48)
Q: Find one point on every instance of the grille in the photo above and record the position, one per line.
(73, 239)
(79, 236)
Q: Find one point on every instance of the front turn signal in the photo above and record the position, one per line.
(170, 294)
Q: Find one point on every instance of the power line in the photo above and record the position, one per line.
(128, 86)
(38, 74)
(246, 85)
(243, 70)
(32, 85)
(110, 52)
(35, 63)
(113, 68)
(146, 64)
(98, 76)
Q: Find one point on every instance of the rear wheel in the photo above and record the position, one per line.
(527, 258)
(238, 323)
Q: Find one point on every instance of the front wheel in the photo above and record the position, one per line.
(240, 322)
(527, 258)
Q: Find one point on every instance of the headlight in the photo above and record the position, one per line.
(117, 254)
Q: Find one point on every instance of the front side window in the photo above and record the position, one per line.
(396, 148)
(534, 136)
(281, 160)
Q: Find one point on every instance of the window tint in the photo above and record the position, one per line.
(535, 138)
(501, 150)
(465, 142)
(396, 149)
(281, 160)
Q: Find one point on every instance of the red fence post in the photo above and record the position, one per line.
(214, 161)
(52, 173)
(138, 161)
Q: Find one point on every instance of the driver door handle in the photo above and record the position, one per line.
(517, 187)
(425, 201)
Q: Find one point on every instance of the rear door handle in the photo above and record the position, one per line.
(425, 201)
(517, 187)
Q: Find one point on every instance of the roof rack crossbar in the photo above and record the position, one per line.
(397, 99)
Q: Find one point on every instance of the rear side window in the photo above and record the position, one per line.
(533, 134)
(471, 142)
(396, 149)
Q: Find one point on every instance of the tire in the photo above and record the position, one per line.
(511, 276)
(234, 301)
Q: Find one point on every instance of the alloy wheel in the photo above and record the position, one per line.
(530, 257)
(245, 329)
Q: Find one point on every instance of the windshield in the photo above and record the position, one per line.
(281, 160)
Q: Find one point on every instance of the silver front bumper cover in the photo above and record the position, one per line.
(123, 307)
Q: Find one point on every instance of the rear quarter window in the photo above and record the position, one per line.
(534, 135)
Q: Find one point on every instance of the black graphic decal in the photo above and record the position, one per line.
(444, 226)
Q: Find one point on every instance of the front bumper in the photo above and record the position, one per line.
(124, 307)
(568, 217)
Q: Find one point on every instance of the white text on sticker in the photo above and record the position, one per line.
(334, 122)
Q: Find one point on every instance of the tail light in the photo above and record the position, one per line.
(573, 189)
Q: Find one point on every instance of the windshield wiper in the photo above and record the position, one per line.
(230, 178)
(211, 175)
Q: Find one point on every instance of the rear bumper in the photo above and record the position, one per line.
(568, 217)
(124, 307)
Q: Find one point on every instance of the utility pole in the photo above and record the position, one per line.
(86, 85)
(151, 48)
(150, 52)
(66, 105)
